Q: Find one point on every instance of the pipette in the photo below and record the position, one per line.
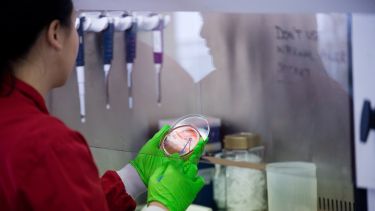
(158, 56)
(80, 69)
(108, 55)
(130, 42)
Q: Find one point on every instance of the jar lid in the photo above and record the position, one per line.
(253, 138)
(241, 141)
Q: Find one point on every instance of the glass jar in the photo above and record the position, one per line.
(238, 188)
(219, 184)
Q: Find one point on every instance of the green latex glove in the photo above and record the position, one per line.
(175, 184)
(198, 151)
(150, 157)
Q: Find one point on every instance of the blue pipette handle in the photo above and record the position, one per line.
(131, 41)
(80, 60)
(108, 43)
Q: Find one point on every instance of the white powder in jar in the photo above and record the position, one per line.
(245, 188)
(219, 187)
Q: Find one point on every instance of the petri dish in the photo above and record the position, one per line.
(185, 135)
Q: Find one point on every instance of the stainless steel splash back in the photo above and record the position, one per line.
(283, 76)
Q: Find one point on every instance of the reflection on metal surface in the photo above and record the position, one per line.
(333, 52)
(192, 52)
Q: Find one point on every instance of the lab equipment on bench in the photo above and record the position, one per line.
(155, 23)
(107, 23)
(108, 33)
(158, 56)
(80, 67)
(131, 45)
(126, 23)
(85, 22)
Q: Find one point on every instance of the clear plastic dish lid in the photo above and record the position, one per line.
(197, 121)
(185, 135)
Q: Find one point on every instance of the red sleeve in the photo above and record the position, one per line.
(115, 193)
(56, 172)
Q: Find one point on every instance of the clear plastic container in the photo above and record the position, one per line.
(292, 186)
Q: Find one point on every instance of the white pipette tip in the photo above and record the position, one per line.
(108, 106)
(83, 119)
(130, 102)
(159, 104)
(106, 67)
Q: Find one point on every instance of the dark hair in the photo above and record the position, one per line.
(21, 22)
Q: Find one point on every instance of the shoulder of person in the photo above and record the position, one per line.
(50, 146)
(45, 133)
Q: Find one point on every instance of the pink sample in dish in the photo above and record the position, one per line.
(181, 140)
(185, 135)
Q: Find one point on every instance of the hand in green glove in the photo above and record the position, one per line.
(150, 157)
(176, 184)
(198, 151)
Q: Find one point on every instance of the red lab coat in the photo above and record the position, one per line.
(44, 165)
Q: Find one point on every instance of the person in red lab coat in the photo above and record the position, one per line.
(44, 165)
